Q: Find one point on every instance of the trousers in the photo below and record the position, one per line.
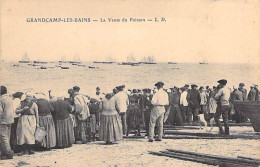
(5, 140)
(184, 113)
(222, 110)
(147, 114)
(193, 112)
(123, 119)
(157, 115)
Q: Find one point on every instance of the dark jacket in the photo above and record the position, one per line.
(193, 98)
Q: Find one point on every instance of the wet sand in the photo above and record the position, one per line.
(134, 152)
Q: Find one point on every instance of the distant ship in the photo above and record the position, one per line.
(204, 62)
(109, 60)
(148, 60)
(76, 60)
(130, 61)
(25, 59)
(171, 62)
(40, 62)
(63, 60)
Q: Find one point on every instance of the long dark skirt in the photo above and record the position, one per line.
(110, 129)
(50, 139)
(64, 133)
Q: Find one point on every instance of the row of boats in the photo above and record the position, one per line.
(77, 62)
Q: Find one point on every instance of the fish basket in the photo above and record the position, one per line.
(40, 133)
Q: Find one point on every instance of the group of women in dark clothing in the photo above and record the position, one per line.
(55, 116)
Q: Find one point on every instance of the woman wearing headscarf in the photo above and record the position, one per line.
(110, 129)
(27, 123)
(63, 123)
(45, 120)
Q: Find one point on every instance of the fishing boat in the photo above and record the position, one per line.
(76, 60)
(63, 60)
(203, 62)
(250, 109)
(171, 62)
(148, 60)
(40, 62)
(81, 65)
(25, 59)
(108, 60)
(64, 67)
(130, 61)
(92, 67)
(43, 67)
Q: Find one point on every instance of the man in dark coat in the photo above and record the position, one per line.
(146, 107)
(175, 117)
(193, 98)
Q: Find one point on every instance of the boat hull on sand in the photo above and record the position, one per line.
(250, 109)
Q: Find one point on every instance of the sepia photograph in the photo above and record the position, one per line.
(125, 83)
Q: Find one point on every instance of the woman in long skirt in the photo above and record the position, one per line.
(27, 123)
(110, 129)
(63, 123)
(46, 121)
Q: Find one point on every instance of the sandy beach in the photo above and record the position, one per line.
(134, 152)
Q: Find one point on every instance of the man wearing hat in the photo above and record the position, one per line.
(193, 98)
(81, 114)
(175, 117)
(184, 104)
(146, 107)
(252, 93)
(122, 102)
(159, 101)
(222, 97)
(242, 89)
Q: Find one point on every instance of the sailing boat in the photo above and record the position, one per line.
(76, 60)
(109, 60)
(150, 60)
(204, 62)
(25, 59)
(63, 60)
(130, 61)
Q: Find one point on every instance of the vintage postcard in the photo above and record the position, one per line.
(129, 83)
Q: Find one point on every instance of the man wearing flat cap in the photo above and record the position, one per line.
(146, 107)
(193, 98)
(243, 90)
(81, 114)
(222, 97)
(159, 101)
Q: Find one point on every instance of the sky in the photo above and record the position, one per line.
(221, 31)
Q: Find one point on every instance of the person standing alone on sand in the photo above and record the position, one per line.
(159, 101)
(222, 97)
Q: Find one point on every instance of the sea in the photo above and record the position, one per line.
(107, 76)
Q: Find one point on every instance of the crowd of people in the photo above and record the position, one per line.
(80, 119)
